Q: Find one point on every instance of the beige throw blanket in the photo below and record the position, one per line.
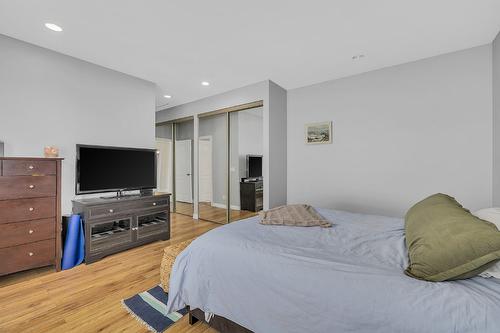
(294, 215)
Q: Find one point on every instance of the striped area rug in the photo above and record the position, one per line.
(149, 307)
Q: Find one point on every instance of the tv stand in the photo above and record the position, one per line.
(251, 195)
(121, 194)
(115, 224)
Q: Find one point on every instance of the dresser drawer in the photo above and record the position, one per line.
(14, 187)
(27, 209)
(22, 257)
(27, 232)
(28, 168)
(106, 210)
(155, 203)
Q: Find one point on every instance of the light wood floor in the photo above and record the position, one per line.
(213, 214)
(87, 297)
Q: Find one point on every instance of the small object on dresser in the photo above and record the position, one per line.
(50, 151)
(1, 148)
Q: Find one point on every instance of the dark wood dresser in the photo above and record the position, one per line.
(30, 213)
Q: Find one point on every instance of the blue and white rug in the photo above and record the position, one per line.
(149, 307)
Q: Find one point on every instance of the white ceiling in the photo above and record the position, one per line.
(232, 43)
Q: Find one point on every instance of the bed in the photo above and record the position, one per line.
(348, 278)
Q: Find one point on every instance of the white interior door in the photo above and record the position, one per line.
(164, 171)
(205, 170)
(183, 172)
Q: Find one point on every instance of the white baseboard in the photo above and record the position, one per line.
(219, 205)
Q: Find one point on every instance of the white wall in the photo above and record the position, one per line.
(47, 98)
(399, 134)
(496, 120)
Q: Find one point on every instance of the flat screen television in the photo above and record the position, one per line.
(113, 169)
(254, 166)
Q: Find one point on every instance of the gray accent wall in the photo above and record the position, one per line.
(496, 120)
(275, 132)
(399, 135)
(47, 98)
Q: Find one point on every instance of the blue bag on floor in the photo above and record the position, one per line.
(74, 246)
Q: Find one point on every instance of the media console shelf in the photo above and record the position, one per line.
(116, 224)
(251, 195)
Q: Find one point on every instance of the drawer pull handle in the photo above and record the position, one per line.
(31, 186)
(31, 254)
(31, 167)
(111, 210)
(154, 203)
(31, 209)
(30, 231)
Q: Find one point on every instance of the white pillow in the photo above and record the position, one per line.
(491, 215)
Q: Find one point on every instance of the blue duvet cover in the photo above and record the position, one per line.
(348, 278)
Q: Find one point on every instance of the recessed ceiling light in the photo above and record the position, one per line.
(167, 96)
(205, 83)
(53, 27)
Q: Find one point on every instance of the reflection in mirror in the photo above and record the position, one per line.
(212, 179)
(164, 147)
(246, 150)
(183, 151)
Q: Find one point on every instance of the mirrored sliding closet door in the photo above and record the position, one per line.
(245, 163)
(165, 149)
(183, 166)
(230, 150)
(212, 171)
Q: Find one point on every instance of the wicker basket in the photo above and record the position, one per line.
(169, 255)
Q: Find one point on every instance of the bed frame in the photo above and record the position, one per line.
(219, 323)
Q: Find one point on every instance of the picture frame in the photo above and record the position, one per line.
(318, 133)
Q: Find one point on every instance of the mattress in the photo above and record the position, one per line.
(348, 278)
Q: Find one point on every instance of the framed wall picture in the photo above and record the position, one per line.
(318, 133)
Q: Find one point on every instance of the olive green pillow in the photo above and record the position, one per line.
(446, 242)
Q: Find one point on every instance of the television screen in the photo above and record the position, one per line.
(105, 169)
(254, 166)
